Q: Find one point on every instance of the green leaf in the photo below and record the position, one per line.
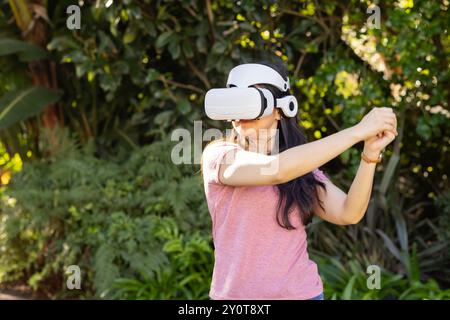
(26, 51)
(219, 48)
(129, 36)
(187, 49)
(201, 44)
(61, 43)
(163, 39)
(20, 105)
(174, 49)
(163, 117)
(152, 75)
(184, 106)
(391, 246)
(423, 129)
(347, 294)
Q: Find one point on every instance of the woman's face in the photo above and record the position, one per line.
(249, 128)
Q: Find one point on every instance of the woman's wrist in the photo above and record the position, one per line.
(372, 154)
(355, 134)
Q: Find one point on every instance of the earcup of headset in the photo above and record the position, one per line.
(288, 105)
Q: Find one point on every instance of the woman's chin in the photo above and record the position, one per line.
(244, 121)
(245, 124)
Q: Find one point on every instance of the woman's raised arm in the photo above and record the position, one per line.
(244, 168)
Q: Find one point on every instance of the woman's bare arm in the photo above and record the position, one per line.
(245, 168)
(251, 168)
(344, 209)
(341, 208)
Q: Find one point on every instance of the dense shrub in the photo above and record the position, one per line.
(118, 220)
(349, 281)
(136, 70)
(104, 216)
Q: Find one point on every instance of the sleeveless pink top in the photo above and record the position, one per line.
(255, 258)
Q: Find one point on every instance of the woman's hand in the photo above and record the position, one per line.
(374, 145)
(377, 122)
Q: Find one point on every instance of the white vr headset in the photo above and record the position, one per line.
(240, 101)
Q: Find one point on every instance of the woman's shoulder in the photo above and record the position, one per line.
(220, 142)
(214, 154)
(214, 145)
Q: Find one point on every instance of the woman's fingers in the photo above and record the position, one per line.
(389, 119)
(387, 109)
(395, 123)
(392, 120)
(389, 127)
(379, 120)
(389, 136)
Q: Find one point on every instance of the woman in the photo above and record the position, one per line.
(259, 215)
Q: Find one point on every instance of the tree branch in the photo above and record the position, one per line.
(210, 20)
(184, 86)
(199, 74)
(171, 95)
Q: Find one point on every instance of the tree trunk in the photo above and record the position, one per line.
(32, 19)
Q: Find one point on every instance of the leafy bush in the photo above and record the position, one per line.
(99, 214)
(349, 281)
(138, 69)
(134, 240)
(186, 276)
(400, 240)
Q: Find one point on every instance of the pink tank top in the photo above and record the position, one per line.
(255, 258)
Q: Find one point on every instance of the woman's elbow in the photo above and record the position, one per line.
(352, 220)
(274, 172)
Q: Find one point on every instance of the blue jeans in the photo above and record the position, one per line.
(319, 297)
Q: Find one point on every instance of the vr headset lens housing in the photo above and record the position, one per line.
(238, 103)
(241, 101)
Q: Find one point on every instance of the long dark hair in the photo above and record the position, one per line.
(302, 191)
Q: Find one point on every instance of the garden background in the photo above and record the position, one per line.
(86, 117)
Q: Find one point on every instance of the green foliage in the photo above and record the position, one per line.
(443, 202)
(99, 214)
(25, 50)
(186, 276)
(128, 247)
(408, 247)
(136, 70)
(349, 282)
(20, 105)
